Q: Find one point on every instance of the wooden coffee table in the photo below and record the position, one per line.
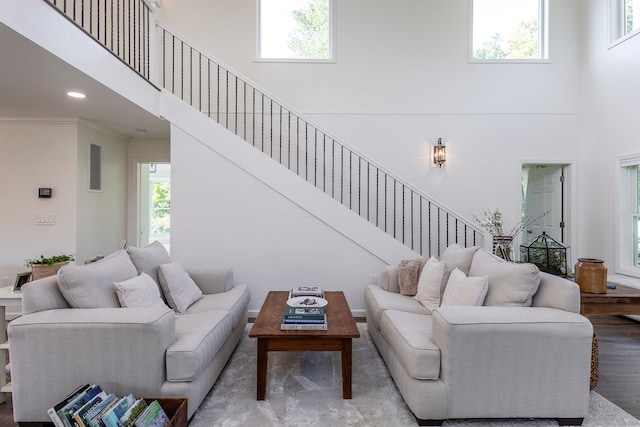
(341, 329)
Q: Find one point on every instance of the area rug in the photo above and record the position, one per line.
(305, 389)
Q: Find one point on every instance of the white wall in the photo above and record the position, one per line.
(402, 80)
(610, 127)
(102, 219)
(34, 154)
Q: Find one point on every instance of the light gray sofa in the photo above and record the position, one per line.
(150, 351)
(527, 355)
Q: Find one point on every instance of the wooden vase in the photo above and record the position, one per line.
(591, 275)
(38, 271)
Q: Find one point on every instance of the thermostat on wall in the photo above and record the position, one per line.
(44, 193)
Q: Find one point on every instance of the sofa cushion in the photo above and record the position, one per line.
(378, 300)
(199, 336)
(458, 257)
(409, 271)
(148, 259)
(410, 337)
(510, 284)
(463, 290)
(234, 301)
(178, 287)
(139, 291)
(430, 283)
(91, 285)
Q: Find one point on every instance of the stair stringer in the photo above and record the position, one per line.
(260, 166)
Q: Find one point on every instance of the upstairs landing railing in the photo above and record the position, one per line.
(242, 107)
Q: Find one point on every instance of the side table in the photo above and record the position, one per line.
(7, 297)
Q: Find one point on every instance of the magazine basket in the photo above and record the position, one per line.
(176, 410)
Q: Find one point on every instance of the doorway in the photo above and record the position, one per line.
(546, 188)
(154, 190)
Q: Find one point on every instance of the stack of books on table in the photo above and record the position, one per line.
(304, 319)
(90, 406)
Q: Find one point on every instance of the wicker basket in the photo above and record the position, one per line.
(38, 271)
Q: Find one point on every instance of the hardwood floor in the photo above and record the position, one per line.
(618, 356)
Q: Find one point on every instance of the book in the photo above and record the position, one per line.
(92, 418)
(53, 411)
(112, 416)
(78, 416)
(304, 313)
(129, 417)
(307, 291)
(153, 415)
(304, 321)
(67, 411)
(303, 326)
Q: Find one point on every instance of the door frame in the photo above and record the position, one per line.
(570, 192)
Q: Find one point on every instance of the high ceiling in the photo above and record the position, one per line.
(34, 83)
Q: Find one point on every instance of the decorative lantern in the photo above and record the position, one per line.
(547, 253)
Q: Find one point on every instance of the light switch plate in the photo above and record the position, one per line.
(45, 219)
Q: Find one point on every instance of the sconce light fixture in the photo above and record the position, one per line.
(439, 153)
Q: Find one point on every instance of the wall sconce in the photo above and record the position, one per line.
(439, 153)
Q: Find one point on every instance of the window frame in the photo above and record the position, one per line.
(617, 27)
(626, 209)
(332, 39)
(543, 39)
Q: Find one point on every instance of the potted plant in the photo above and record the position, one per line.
(44, 267)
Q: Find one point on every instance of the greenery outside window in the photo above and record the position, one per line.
(509, 31)
(628, 233)
(296, 30)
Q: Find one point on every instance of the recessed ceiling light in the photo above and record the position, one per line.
(141, 131)
(76, 95)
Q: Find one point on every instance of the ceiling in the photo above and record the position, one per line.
(34, 83)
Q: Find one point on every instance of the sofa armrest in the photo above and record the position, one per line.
(55, 351)
(212, 280)
(503, 353)
(557, 292)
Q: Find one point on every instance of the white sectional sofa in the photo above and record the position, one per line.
(520, 350)
(79, 327)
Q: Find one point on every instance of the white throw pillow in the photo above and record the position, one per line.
(149, 258)
(430, 283)
(458, 257)
(139, 291)
(178, 287)
(463, 290)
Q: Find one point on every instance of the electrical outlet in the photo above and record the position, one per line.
(374, 279)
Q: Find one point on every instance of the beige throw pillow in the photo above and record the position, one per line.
(510, 284)
(409, 271)
(139, 291)
(463, 290)
(149, 258)
(430, 283)
(178, 287)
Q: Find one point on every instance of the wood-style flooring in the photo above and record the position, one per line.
(618, 355)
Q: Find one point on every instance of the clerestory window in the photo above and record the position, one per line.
(624, 19)
(296, 30)
(628, 233)
(508, 30)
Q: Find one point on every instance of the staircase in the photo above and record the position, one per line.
(127, 28)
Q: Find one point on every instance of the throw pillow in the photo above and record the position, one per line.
(458, 257)
(463, 290)
(149, 258)
(510, 284)
(409, 271)
(139, 291)
(179, 289)
(91, 285)
(430, 283)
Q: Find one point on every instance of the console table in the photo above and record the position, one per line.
(7, 297)
(619, 301)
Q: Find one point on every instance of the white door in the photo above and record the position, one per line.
(544, 192)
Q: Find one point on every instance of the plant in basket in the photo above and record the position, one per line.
(47, 266)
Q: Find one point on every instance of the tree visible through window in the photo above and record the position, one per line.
(295, 29)
(631, 15)
(509, 30)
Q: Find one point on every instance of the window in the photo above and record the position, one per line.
(628, 233)
(507, 30)
(296, 30)
(624, 19)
